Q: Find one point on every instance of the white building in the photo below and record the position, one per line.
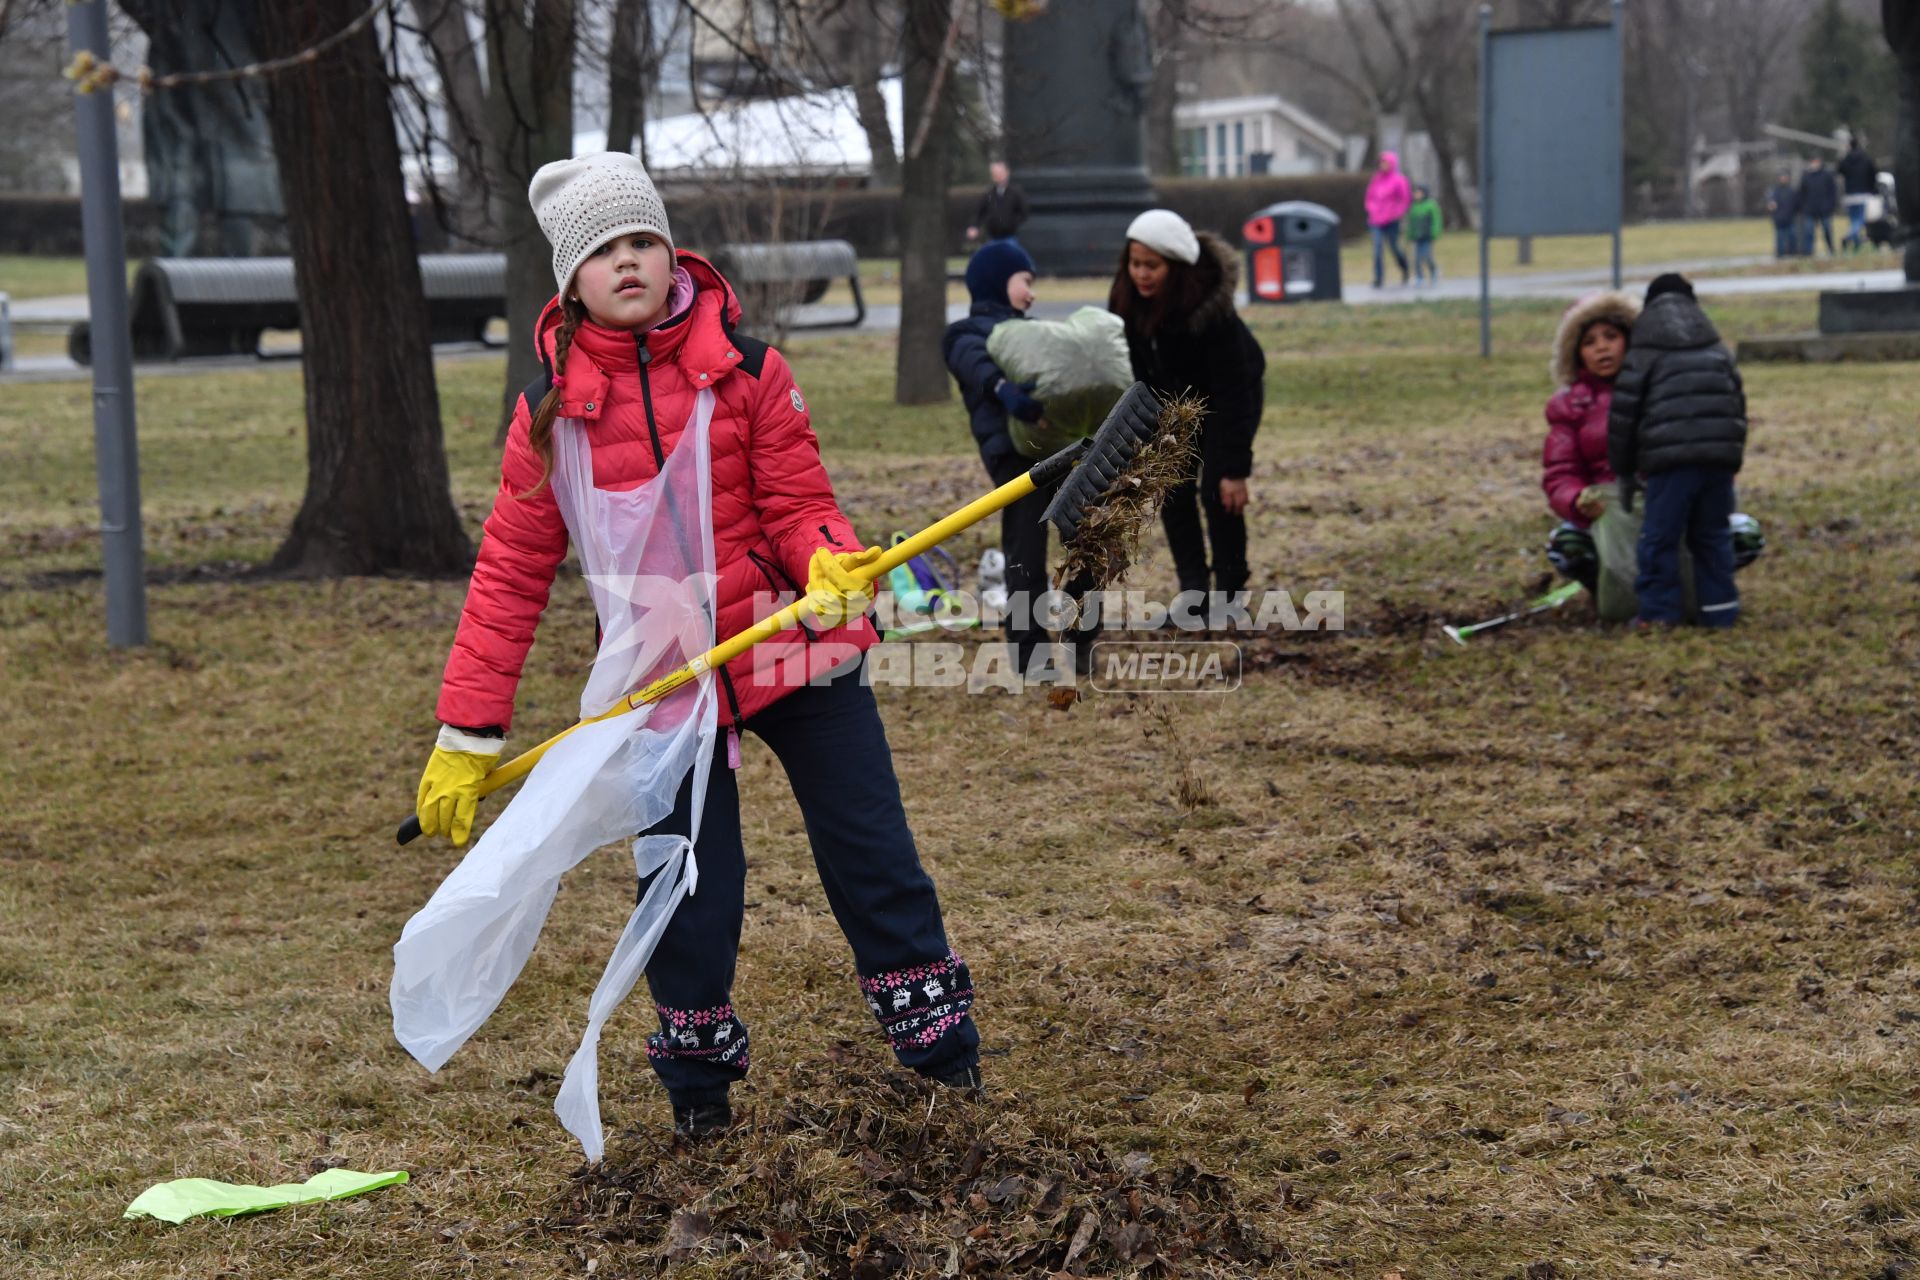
(1233, 137)
(808, 135)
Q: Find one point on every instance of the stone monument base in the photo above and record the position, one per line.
(1858, 324)
(1829, 348)
(1870, 311)
(1078, 221)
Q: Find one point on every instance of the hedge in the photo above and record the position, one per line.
(50, 225)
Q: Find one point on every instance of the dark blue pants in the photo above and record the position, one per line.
(830, 740)
(1023, 539)
(1785, 242)
(1387, 235)
(1689, 506)
(1808, 224)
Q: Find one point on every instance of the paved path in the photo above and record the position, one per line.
(59, 312)
(885, 318)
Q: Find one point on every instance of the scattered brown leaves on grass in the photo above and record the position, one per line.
(886, 1175)
(1556, 956)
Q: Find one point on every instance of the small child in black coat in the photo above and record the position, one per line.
(1000, 280)
(1679, 419)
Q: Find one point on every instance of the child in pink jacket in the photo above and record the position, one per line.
(1588, 350)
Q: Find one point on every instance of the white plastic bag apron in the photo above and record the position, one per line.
(649, 562)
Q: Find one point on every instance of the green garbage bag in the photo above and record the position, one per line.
(1079, 367)
(1616, 540)
(185, 1198)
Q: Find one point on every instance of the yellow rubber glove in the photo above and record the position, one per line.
(449, 794)
(831, 580)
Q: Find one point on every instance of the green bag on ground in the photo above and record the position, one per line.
(1079, 369)
(185, 1198)
(1616, 541)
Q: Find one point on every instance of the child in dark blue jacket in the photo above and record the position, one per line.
(1000, 281)
(1679, 420)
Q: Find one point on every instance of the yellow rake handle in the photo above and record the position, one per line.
(786, 619)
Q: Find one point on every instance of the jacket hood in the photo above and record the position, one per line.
(1391, 159)
(706, 280)
(1219, 303)
(1616, 308)
(1674, 322)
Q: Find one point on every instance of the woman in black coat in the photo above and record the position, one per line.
(1174, 289)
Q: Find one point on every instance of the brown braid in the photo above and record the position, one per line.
(540, 429)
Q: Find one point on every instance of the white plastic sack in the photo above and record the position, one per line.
(1079, 367)
(649, 561)
(1616, 542)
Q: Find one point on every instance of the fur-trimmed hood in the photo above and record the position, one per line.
(1616, 308)
(1218, 304)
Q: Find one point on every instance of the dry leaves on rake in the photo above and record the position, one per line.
(895, 1178)
(1108, 536)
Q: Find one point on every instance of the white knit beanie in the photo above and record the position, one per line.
(1167, 234)
(584, 202)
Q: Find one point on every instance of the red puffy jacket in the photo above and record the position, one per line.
(772, 503)
(1576, 451)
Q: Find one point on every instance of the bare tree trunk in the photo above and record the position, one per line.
(378, 497)
(872, 43)
(530, 123)
(1439, 123)
(1902, 25)
(444, 24)
(627, 63)
(1163, 147)
(920, 375)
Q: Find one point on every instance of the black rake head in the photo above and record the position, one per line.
(1131, 423)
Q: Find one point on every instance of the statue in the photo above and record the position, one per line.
(1076, 77)
(209, 148)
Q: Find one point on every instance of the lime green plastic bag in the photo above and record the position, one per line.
(1079, 368)
(196, 1197)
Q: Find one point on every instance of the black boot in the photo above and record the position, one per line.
(966, 1078)
(700, 1120)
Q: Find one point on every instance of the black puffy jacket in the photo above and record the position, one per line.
(1678, 401)
(965, 347)
(1212, 354)
(1858, 173)
(1819, 193)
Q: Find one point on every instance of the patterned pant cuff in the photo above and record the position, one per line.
(700, 1035)
(918, 1005)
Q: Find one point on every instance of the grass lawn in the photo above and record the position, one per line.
(23, 276)
(1458, 251)
(1571, 953)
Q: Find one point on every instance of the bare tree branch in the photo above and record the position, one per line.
(90, 74)
(933, 92)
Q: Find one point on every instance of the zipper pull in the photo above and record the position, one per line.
(733, 747)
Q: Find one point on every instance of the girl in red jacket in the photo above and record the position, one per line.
(636, 334)
(1588, 350)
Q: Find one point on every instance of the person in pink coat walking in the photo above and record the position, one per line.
(1388, 197)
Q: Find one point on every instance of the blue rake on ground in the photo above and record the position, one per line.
(1552, 600)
